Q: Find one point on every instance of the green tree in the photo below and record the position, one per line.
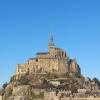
(4, 85)
(96, 81)
(12, 78)
(24, 80)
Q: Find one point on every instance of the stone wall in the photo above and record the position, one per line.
(21, 90)
(0, 97)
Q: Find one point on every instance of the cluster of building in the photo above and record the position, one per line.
(53, 61)
(66, 95)
(89, 90)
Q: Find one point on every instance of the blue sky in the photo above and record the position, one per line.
(25, 26)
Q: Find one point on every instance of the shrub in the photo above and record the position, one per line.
(24, 80)
(5, 85)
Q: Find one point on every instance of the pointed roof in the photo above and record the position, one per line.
(51, 43)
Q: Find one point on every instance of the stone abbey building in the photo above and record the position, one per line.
(53, 61)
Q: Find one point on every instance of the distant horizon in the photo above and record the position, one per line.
(25, 28)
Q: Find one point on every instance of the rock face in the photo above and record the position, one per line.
(22, 90)
(53, 61)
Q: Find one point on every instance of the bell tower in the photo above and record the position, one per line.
(51, 43)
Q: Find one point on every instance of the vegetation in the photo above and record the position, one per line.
(24, 80)
(5, 85)
(12, 79)
(96, 81)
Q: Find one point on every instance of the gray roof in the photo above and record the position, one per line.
(42, 53)
(32, 58)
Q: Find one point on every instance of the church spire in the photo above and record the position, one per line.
(51, 40)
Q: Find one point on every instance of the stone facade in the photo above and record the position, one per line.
(0, 97)
(53, 61)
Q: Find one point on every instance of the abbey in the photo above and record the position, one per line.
(53, 61)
